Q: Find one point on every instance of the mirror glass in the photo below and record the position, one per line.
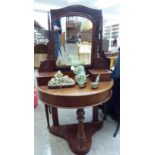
(72, 37)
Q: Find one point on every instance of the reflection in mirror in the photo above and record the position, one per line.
(72, 37)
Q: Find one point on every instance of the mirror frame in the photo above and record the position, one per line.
(94, 15)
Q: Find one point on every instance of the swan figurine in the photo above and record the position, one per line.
(95, 84)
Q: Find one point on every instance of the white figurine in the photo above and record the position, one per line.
(95, 84)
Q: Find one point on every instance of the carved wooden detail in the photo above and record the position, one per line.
(78, 136)
(98, 58)
(81, 132)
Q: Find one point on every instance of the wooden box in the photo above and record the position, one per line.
(105, 75)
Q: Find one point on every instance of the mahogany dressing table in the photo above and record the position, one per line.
(79, 136)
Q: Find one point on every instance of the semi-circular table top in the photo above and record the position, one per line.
(76, 97)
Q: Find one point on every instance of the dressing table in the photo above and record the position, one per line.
(78, 136)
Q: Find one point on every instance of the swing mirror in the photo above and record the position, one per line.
(72, 38)
(75, 32)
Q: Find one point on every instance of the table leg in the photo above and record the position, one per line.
(79, 136)
(81, 133)
(55, 116)
(95, 113)
(47, 115)
(49, 109)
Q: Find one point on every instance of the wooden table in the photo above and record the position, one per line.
(78, 135)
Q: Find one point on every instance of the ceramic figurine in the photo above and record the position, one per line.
(81, 77)
(95, 84)
(59, 74)
(81, 84)
(60, 81)
(79, 71)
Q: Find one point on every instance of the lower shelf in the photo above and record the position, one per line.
(69, 132)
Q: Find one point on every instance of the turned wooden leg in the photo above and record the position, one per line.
(95, 114)
(81, 133)
(55, 116)
(47, 115)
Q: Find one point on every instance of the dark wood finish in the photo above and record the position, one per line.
(105, 75)
(80, 132)
(40, 48)
(44, 77)
(43, 80)
(93, 15)
(95, 113)
(78, 135)
(75, 97)
(47, 115)
(101, 62)
(46, 66)
(55, 116)
(69, 132)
